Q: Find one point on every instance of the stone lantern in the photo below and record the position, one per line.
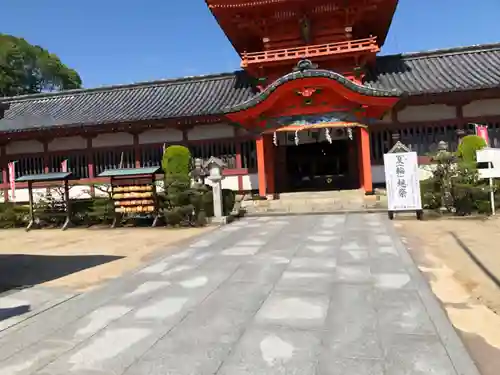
(199, 172)
(215, 167)
(442, 146)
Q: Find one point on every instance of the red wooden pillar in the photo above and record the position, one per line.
(46, 157)
(90, 158)
(90, 164)
(261, 166)
(353, 166)
(265, 164)
(239, 165)
(365, 165)
(270, 163)
(5, 172)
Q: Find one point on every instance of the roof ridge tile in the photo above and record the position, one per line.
(461, 50)
(125, 86)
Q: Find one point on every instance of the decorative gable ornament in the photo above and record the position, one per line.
(398, 148)
(307, 92)
(305, 64)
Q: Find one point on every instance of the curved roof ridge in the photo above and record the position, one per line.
(117, 87)
(476, 48)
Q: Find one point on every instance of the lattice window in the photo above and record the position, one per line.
(113, 159)
(248, 155)
(28, 165)
(151, 156)
(77, 164)
(225, 150)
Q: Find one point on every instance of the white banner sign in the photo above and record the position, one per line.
(402, 181)
(489, 155)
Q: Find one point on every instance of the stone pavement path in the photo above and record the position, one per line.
(318, 295)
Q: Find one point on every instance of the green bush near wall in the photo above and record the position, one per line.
(13, 216)
(455, 185)
(176, 165)
(469, 146)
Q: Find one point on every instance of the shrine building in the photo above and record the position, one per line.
(313, 107)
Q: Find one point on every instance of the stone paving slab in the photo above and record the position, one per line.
(18, 306)
(319, 295)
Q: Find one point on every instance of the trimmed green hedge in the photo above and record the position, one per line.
(468, 147)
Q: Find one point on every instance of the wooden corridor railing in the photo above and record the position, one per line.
(318, 50)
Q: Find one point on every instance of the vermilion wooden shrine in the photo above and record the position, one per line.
(313, 108)
(340, 39)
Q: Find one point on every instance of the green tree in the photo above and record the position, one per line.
(29, 69)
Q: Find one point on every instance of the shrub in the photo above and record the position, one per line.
(182, 203)
(13, 216)
(93, 211)
(176, 164)
(454, 184)
(468, 147)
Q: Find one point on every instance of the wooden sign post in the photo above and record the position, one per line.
(402, 181)
(492, 157)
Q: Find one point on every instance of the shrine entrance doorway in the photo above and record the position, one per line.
(317, 167)
(314, 164)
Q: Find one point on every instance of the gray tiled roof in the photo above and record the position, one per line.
(458, 69)
(194, 96)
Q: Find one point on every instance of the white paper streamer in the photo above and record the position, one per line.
(328, 136)
(349, 133)
(275, 139)
(296, 138)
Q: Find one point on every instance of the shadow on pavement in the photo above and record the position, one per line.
(476, 260)
(10, 312)
(19, 271)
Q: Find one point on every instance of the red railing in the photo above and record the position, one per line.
(304, 52)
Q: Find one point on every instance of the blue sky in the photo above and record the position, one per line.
(123, 41)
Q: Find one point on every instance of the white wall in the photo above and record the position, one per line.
(478, 108)
(251, 181)
(23, 147)
(229, 182)
(67, 143)
(214, 131)
(432, 112)
(160, 136)
(378, 173)
(75, 192)
(113, 139)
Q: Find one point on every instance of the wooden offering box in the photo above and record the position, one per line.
(133, 191)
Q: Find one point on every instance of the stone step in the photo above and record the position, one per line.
(317, 202)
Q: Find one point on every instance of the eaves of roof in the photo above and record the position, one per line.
(433, 72)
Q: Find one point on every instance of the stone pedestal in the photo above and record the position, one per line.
(217, 196)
